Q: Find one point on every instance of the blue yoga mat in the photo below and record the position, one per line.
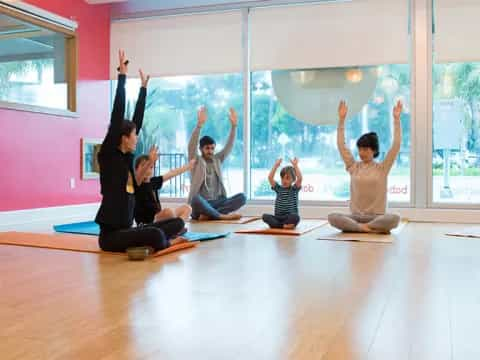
(92, 228)
(85, 228)
(194, 236)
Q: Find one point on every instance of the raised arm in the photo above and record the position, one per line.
(271, 175)
(397, 137)
(142, 170)
(222, 155)
(193, 143)
(118, 111)
(140, 105)
(175, 172)
(298, 172)
(345, 153)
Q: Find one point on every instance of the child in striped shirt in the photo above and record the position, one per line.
(286, 202)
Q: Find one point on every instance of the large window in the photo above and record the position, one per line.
(304, 61)
(171, 116)
(209, 47)
(278, 134)
(37, 62)
(456, 103)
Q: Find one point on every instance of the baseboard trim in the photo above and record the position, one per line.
(461, 216)
(54, 213)
(88, 211)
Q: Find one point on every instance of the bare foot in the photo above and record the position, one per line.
(289, 226)
(365, 228)
(178, 240)
(230, 217)
(203, 218)
(368, 229)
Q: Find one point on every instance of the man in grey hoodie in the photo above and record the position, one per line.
(208, 196)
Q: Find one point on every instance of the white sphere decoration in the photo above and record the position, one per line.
(312, 96)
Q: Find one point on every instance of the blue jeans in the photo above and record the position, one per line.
(215, 208)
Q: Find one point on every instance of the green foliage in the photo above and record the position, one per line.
(18, 68)
(172, 104)
(171, 112)
(264, 189)
(469, 171)
(342, 190)
(270, 120)
(461, 81)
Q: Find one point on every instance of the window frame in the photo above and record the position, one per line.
(247, 73)
(420, 27)
(67, 28)
(429, 7)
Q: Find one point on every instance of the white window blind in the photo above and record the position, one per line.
(180, 45)
(456, 31)
(336, 34)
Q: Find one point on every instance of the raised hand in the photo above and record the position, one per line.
(153, 154)
(233, 117)
(397, 110)
(294, 162)
(342, 110)
(278, 163)
(202, 116)
(123, 62)
(145, 78)
(191, 164)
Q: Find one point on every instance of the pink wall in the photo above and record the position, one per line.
(39, 153)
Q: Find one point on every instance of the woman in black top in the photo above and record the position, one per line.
(118, 180)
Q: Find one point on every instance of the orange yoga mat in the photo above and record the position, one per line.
(69, 242)
(304, 227)
(243, 220)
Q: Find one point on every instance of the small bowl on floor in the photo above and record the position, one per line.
(138, 253)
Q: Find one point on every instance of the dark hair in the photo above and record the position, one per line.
(140, 159)
(369, 140)
(206, 140)
(126, 129)
(289, 170)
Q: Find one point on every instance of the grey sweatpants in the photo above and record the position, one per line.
(351, 222)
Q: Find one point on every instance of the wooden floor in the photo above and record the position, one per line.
(248, 297)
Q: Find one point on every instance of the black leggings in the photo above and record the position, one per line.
(156, 235)
(277, 222)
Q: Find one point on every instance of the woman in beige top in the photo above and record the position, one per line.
(368, 179)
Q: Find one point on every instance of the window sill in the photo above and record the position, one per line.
(38, 109)
(310, 211)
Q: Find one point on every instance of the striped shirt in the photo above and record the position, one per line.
(286, 202)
